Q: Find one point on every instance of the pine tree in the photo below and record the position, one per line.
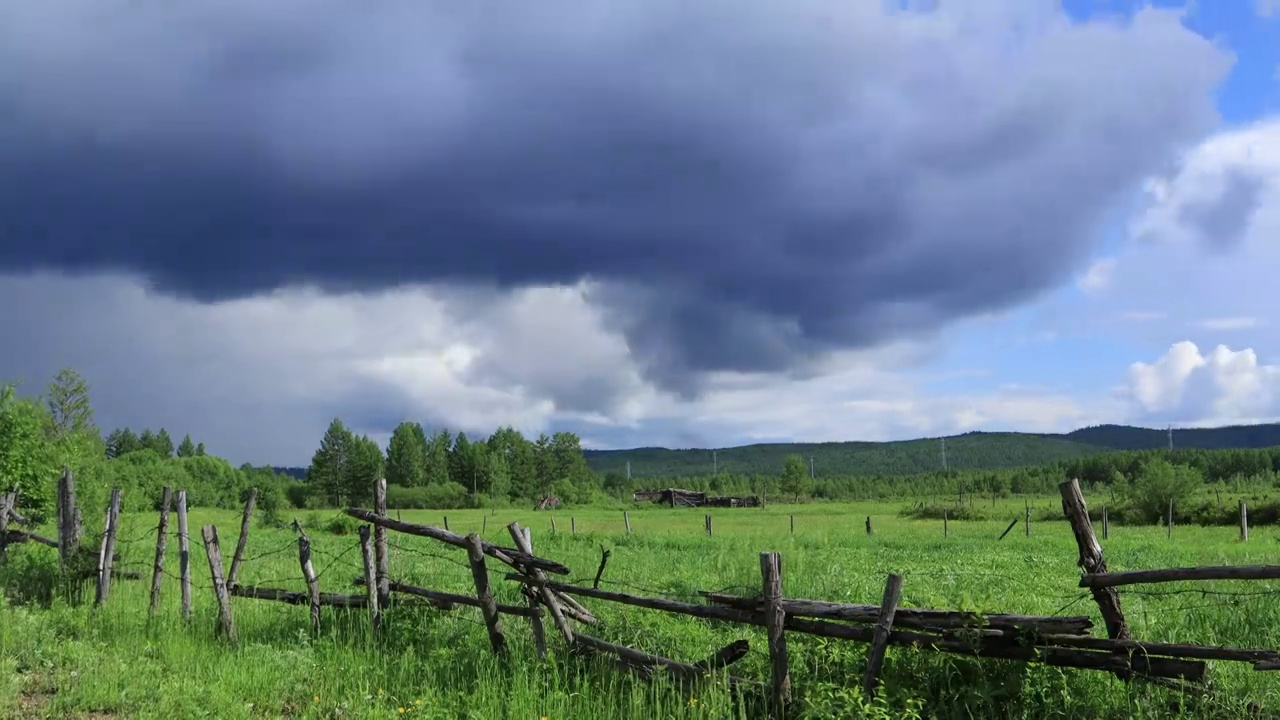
(407, 455)
(163, 444)
(68, 403)
(186, 448)
(436, 468)
(328, 468)
(200, 450)
(364, 466)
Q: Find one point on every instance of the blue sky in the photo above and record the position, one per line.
(670, 224)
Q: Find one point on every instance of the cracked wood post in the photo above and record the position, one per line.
(70, 529)
(380, 543)
(309, 574)
(880, 641)
(775, 619)
(540, 578)
(184, 554)
(488, 607)
(162, 541)
(106, 558)
(1244, 521)
(214, 553)
(370, 578)
(238, 558)
(1091, 561)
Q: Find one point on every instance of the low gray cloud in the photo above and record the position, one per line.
(748, 184)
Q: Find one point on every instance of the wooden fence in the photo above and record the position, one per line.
(1052, 640)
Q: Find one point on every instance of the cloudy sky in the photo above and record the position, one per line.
(645, 221)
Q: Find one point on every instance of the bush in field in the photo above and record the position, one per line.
(440, 496)
(1157, 483)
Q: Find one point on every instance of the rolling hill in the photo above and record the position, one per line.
(967, 451)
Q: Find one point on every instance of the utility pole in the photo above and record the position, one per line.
(810, 467)
(1171, 438)
(715, 463)
(944, 454)
(628, 470)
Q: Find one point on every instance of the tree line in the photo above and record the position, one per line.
(443, 469)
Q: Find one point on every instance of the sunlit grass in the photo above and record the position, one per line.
(65, 661)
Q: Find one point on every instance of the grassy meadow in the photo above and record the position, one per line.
(75, 661)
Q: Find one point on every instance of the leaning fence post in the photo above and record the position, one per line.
(868, 524)
(1106, 524)
(1091, 560)
(793, 524)
(1168, 525)
(309, 574)
(370, 578)
(184, 554)
(446, 522)
(553, 523)
(626, 519)
(945, 530)
(775, 618)
(524, 544)
(1028, 514)
(1244, 521)
(488, 607)
(380, 543)
(880, 640)
(709, 527)
(107, 553)
(214, 553)
(162, 539)
(573, 525)
(535, 611)
(243, 542)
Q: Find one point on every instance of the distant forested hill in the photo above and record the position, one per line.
(974, 450)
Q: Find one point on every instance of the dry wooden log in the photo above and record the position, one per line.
(1090, 558)
(1268, 665)
(1222, 572)
(488, 606)
(539, 581)
(300, 598)
(446, 600)
(535, 612)
(20, 536)
(510, 556)
(1063, 657)
(727, 655)
(225, 624)
(1198, 652)
(919, 619)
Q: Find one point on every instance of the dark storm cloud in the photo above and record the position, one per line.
(751, 182)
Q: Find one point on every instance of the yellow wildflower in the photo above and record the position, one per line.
(316, 699)
(401, 711)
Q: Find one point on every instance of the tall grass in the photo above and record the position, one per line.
(66, 661)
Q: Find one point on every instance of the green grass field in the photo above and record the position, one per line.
(65, 661)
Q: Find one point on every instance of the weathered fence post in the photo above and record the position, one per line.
(626, 519)
(1091, 560)
(380, 543)
(214, 553)
(162, 539)
(1028, 515)
(880, 640)
(775, 619)
(793, 524)
(1168, 524)
(1244, 521)
(243, 542)
(370, 578)
(708, 521)
(7, 503)
(446, 522)
(70, 528)
(573, 525)
(553, 523)
(535, 611)
(309, 574)
(184, 554)
(868, 524)
(484, 524)
(1106, 524)
(107, 553)
(488, 607)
